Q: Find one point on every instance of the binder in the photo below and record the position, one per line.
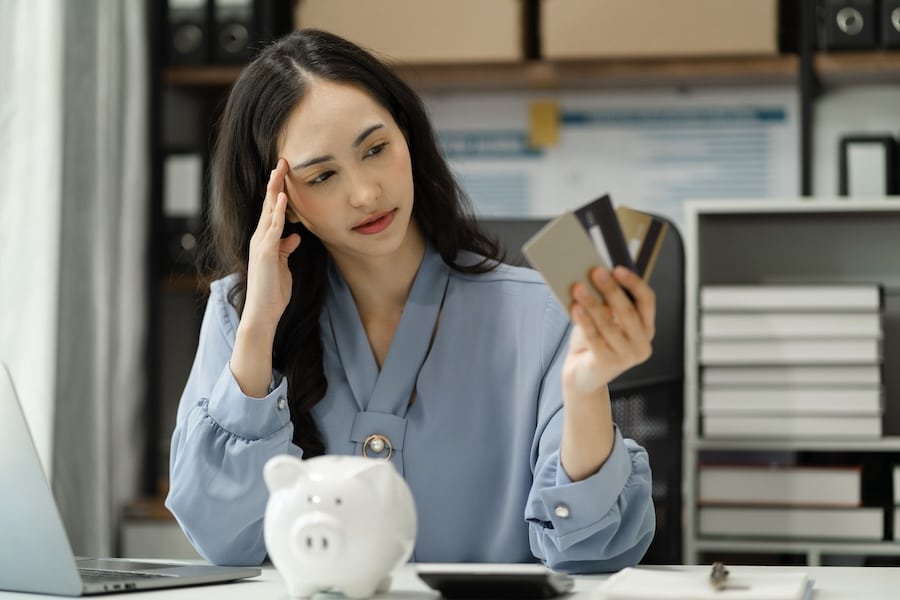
(234, 31)
(182, 207)
(890, 23)
(868, 165)
(187, 36)
(849, 24)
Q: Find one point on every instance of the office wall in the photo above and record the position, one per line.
(30, 204)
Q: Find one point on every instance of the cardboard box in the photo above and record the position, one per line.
(573, 29)
(423, 31)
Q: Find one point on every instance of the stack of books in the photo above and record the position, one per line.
(791, 361)
(896, 524)
(788, 502)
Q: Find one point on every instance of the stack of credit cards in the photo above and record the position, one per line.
(596, 234)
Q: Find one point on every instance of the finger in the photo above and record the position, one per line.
(276, 219)
(623, 307)
(268, 204)
(596, 310)
(603, 325)
(276, 182)
(644, 297)
(610, 289)
(616, 322)
(588, 331)
(287, 246)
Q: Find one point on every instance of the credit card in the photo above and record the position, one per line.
(566, 249)
(602, 225)
(644, 234)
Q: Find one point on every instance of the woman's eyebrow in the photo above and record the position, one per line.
(320, 159)
(366, 133)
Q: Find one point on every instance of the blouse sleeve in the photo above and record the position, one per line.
(221, 442)
(602, 523)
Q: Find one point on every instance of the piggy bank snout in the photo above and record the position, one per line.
(318, 537)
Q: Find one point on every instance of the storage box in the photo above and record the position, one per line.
(423, 31)
(572, 29)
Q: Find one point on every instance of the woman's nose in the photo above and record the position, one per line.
(363, 190)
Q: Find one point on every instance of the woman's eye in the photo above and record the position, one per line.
(321, 178)
(376, 149)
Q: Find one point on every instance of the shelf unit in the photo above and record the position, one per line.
(833, 68)
(821, 240)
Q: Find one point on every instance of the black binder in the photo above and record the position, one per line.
(187, 32)
(849, 24)
(890, 23)
(242, 27)
(234, 31)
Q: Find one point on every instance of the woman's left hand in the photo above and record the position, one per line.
(608, 338)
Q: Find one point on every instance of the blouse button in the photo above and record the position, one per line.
(281, 403)
(561, 511)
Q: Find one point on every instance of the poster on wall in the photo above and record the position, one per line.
(649, 150)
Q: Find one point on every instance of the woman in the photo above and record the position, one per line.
(364, 313)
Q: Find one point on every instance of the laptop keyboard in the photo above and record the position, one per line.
(101, 576)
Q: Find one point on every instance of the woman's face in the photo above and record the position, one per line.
(350, 177)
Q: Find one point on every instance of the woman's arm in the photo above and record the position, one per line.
(604, 520)
(221, 442)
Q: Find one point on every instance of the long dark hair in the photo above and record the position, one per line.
(246, 151)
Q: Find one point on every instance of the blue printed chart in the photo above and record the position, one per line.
(650, 150)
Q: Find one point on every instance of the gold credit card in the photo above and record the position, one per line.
(644, 234)
(566, 249)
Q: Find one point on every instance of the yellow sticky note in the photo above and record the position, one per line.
(544, 125)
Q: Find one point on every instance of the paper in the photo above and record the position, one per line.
(655, 149)
(694, 584)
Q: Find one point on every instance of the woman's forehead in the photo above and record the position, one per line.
(333, 113)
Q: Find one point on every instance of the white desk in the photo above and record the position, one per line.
(831, 583)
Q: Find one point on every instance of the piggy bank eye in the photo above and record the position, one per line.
(337, 501)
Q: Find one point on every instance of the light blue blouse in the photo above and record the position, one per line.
(479, 446)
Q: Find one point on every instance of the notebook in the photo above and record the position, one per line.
(35, 554)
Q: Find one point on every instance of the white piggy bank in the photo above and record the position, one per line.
(337, 523)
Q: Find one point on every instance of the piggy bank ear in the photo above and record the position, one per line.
(380, 476)
(282, 471)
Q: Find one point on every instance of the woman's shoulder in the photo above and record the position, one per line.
(501, 272)
(511, 291)
(223, 285)
(220, 289)
(505, 280)
(220, 297)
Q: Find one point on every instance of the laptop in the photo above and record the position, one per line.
(35, 554)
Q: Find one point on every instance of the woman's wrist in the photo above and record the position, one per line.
(251, 360)
(588, 433)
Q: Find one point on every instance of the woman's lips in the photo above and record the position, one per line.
(377, 224)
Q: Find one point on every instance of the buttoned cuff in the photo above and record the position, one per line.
(574, 508)
(246, 417)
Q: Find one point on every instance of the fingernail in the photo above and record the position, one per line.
(601, 275)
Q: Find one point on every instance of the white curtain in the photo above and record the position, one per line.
(98, 157)
(30, 203)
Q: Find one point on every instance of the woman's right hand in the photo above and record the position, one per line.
(269, 285)
(269, 280)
